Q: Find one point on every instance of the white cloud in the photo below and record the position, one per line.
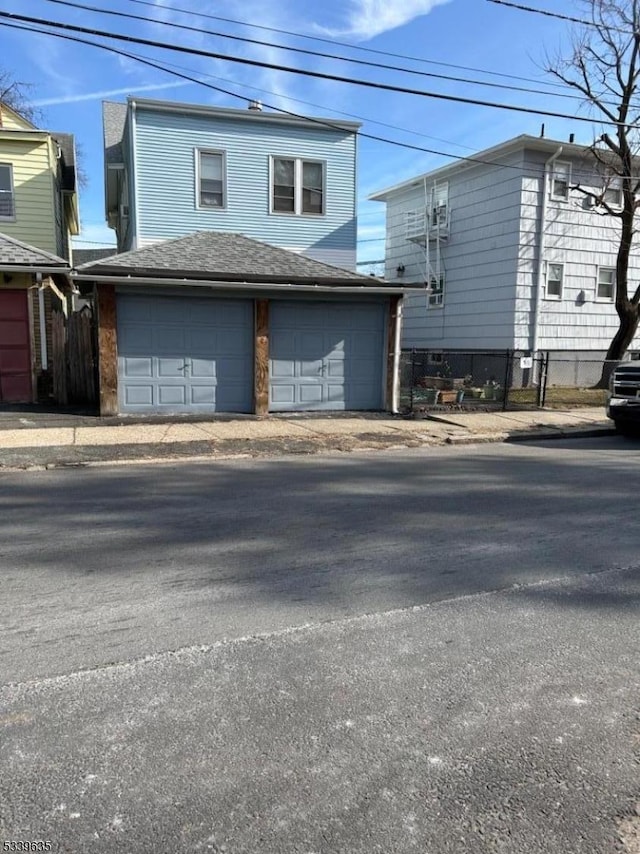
(369, 18)
(108, 93)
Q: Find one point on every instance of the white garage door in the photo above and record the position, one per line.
(184, 354)
(326, 355)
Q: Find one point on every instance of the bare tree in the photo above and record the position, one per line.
(16, 94)
(604, 66)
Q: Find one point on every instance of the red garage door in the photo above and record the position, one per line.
(15, 351)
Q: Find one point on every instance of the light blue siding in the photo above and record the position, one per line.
(166, 145)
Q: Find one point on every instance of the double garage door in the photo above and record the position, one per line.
(188, 354)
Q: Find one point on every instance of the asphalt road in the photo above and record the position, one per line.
(449, 660)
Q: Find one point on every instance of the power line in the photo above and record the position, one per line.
(314, 53)
(336, 42)
(547, 13)
(371, 84)
(533, 171)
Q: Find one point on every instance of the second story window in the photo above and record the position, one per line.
(555, 279)
(210, 179)
(297, 186)
(560, 180)
(7, 204)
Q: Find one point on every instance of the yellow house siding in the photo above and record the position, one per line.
(33, 184)
(12, 120)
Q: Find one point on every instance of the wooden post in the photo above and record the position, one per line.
(261, 369)
(107, 349)
(394, 302)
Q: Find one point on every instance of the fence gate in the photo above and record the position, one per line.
(73, 357)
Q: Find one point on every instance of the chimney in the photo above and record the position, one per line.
(572, 137)
(542, 131)
(255, 106)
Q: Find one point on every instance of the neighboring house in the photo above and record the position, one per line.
(173, 169)
(510, 254)
(26, 273)
(39, 211)
(217, 322)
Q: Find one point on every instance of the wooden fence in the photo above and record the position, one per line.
(73, 357)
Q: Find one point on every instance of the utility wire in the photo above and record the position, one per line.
(547, 13)
(532, 171)
(371, 84)
(315, 53)
(336, 42)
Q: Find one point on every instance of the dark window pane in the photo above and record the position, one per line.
(312, 188)
(5, 178)
(6, 204)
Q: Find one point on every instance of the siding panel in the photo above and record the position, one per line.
(166, 144)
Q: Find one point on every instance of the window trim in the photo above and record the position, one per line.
(440, 293)
(607, 300)
(547, 295)
(559, 197)
(11, 218)
(223, 154)
(298, 187)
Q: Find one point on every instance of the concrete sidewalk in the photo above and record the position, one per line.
(43, 442)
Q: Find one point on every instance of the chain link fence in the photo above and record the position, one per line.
(494, 380)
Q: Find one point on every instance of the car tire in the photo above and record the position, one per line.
(624, 429)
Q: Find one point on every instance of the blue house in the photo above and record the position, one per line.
(234, 286)
(173, 169)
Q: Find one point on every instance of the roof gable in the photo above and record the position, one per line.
(12, 120)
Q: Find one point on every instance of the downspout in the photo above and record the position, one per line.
(44, 356)
(540, 272)
(395, 393)
(133, 219)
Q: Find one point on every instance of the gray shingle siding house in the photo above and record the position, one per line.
(514, 256)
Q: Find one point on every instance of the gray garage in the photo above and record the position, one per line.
(220, 323)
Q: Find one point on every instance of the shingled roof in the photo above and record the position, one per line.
(15, 253)
(114, 116)
(222, 256)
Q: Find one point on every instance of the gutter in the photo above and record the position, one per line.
(8, 268)
(541, 248)
(133, 183)
(243, 286)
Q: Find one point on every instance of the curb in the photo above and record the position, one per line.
(456, 439)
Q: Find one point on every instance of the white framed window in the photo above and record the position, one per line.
(211, 190)
(436, 292)
(606, 285)
(440, 205)
(298, 187)
(612, 192)
(7, 195)
(555, 281)
(560, 180)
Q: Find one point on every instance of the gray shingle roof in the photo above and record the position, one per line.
(113, 120)
(15, 253)
(87, 256)
(221, 256)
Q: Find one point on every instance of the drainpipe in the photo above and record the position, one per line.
(395, 394)
(43, 324)
(540, 272)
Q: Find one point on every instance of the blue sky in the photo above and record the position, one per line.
(70, 80)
